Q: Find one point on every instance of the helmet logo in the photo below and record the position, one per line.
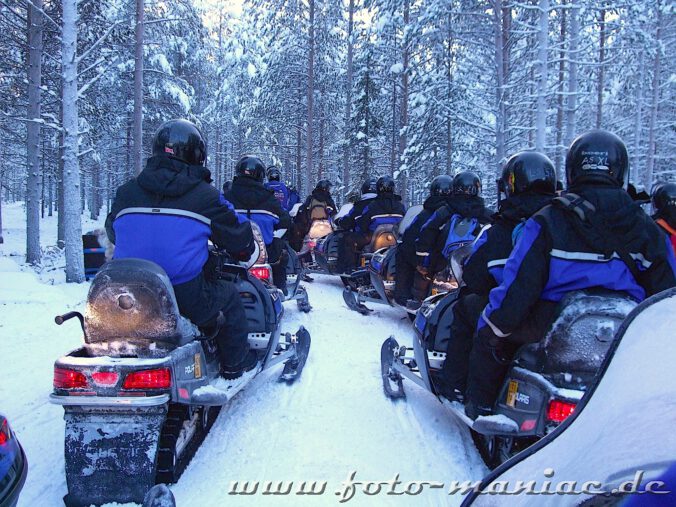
(595, 161)
(512, 182)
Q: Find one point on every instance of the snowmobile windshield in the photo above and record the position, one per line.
(320, 229)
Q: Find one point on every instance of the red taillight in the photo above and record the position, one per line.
(105, 378)
(558, 411)
(4, 433)
(69, 379)
(159, 378)
(311, 245)
(260, 272)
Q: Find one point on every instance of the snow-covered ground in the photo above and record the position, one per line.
(334, 421)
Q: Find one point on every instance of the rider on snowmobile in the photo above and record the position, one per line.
(253, 200)
(166, 215)
(437, 238)
(594, 235)
(386, 208)
(529, 183)
(276, 184)
(368, 194)
(664, 206)
(441, 194)
(319, 205)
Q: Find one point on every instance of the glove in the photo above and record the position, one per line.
(423, 271)
(498, 346)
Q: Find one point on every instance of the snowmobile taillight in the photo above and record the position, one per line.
(311, 245)
(158, 378)
(558, 411)
(105, 378)
(69, 379)
(261, 272)
(5, 435)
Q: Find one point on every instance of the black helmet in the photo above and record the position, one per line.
(597, 156)
(528, 171)
(442, 185)
(182, 140)
(466, 183)
(664, 196)
(274, 174)
(385, 185)
(370, 186)
(251, 167)
(324, 185)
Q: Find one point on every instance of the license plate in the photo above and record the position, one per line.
(512, 390)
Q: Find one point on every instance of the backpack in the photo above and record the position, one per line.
(317, 210)
(460, 232)
(585, 211)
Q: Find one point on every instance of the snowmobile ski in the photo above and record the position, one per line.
(351, 299)
(392, 381)
(294, 367)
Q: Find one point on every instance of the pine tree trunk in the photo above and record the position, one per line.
(310, 94)
(559, 97)
(500, 65)
(403, 137)
(71, 171)
(349, 79)
(571, 100)
(655, 106)
(543, 48)
(638, 121)
(600, 84)
(33, 253)
(138, 89)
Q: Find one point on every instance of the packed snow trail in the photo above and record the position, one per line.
(333, 421)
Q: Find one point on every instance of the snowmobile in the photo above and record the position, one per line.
(295, 273)
(545, 381)
(382, 273)
(319, 243)
(379, 287)
(143, 391)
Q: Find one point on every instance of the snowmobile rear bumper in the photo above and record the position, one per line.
(112, 453)
(109, 401)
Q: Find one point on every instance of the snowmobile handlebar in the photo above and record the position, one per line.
(60, 319)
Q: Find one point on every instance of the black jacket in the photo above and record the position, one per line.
(558, 252)
(168, 212)
(431, 240)
(303, 216)
(349, 221)
(252, 199)
(384, 209)
(407, 240)
(483, 269)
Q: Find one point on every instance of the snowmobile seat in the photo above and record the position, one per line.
(582, 332)
(133, 301)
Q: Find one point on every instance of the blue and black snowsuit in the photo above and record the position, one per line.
(436, 241)
(166, 215)
(349, 221)
(406, 258)
(384, 209)
(281, 193)
(483, 271)
(559, 252)
(252, 200)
